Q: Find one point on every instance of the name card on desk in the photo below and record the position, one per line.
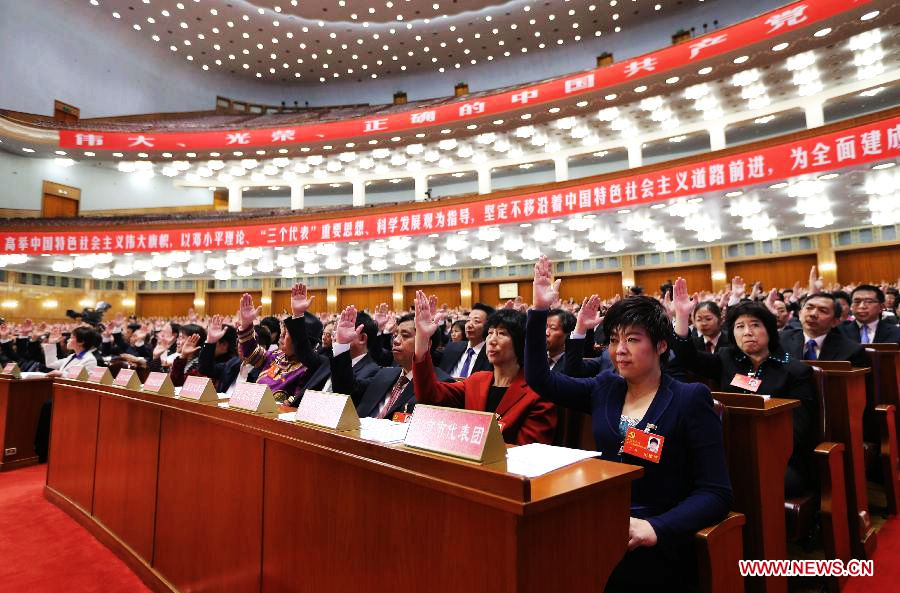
(78, 373)
(331, 410)
(128, 379)
(159, 383)
(741, 400)
(12, 368)
(253, 397)
(467, 434)
(100, 375)
(198, 389)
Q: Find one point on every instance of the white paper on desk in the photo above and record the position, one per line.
(537, 459)
(32, 375)
(177, 391)
(288, 416)
(382, 430)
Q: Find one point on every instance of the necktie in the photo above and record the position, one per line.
(399, 386)
(464, 372)
(810, 353)
(710, 347)
(550, 361)
(864, 335)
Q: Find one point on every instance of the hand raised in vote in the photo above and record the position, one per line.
(55, 335)
(589, 316)
(640, 534)
(546, 290)
(738, 288)
(190, 346)
(27, 328)
(683, 305)
(770, 299)
(381, 316)
(346, 330)
(247, 312)
(300, 300)
(426, 325)
(216, 329)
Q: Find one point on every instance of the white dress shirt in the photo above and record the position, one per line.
(462, 360)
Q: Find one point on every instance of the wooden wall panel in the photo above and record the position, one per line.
(775, 272)
(125, 481)
(281, 301)
(227, 303)
(365, 299)
(698, 278)
(875, 264)
(578, 287)
(445, 293)
(165, 304)
(489, 292)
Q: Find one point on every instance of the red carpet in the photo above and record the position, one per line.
(887, 563)
(44, 550)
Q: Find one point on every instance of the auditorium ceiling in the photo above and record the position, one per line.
(328, 40)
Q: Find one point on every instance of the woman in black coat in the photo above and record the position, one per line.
(753, 362)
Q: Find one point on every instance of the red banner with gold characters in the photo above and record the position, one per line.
(764, 28)
(875, 141)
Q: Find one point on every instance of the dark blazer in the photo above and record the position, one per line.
(834, 347)
(782, 376)
(222, 373)
(576, 365)
(689, 488)
(380, 386)
(454, 351)
(345, 378)
(885, 333)
(699, 344)
(525, 416)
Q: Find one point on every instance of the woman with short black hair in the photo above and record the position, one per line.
(524, 417)
(754, 362)
(685, 484)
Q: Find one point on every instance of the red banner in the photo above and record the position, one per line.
(766, 27)
(867, 143)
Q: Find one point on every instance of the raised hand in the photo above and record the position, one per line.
(190, 346)
(216, 329)
(382, 316)
(757, 290)
(425, 323)
(509, 304)
(546, 290)
(346, 329)
(738, 288)
(815, 282)
(300, 301)
(683, 305)
(26, 328)
(55, 335)
(248, 313)
(668, 305)
(770, 299)
(589, 316)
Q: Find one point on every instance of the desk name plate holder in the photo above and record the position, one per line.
(160, 384)
(329, 410)
(466, 434)
(128, 379)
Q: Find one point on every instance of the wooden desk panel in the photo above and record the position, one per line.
(125, 482)
(20, 407)
(209, 505)
(73, 443)
(246, 503)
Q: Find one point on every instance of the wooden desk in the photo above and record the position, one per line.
(199, 498)
(758, 444)
(20, 406)
(886, 376)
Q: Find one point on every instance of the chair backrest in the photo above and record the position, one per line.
(830, 365)
(822, 420)
(889, 347)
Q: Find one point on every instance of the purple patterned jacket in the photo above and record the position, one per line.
(284, 376)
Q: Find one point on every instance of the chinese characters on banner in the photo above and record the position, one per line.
(763, 28)
(867, 143)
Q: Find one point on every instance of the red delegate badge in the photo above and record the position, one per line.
(645, 445)
(745, 382)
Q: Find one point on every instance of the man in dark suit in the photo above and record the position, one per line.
(867, 304)
(362, 365)
(461, 359)
(390, 390)
(560, 324)
(819, 338)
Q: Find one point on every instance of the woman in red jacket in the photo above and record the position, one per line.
(524, 417)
